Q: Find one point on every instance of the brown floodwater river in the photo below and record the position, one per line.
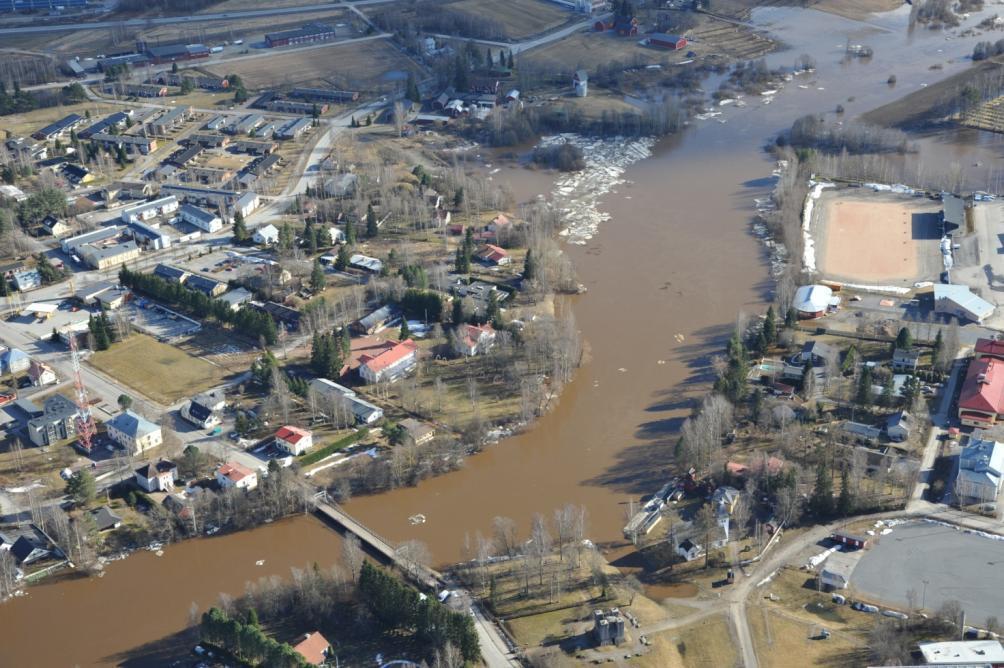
(666, 277)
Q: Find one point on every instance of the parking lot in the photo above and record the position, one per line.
(159, 322)
(937, 562)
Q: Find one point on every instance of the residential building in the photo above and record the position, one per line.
(171, 53)
(392, 363)
(310, 32)
(41, 374)
(54, 226)
(157, 476)
(206, 221)
(324, 95)
(898, 425)
(953, 210)
(296, 107)
(314, 648)
(818, 353)
(493, 255)
(814, 301)
(208, 140)
(124, 89)
(474, 339)
(147, 210)
(57, 422)
(254, 147)
(267, 235)
(837, 570)
(335, 235)
(336, 397)
(963, 653)
(105, 519)
(32, 546)
(288, 317)
(417, 433)
(247, 204)
(981, 465)
(245, 125)
(989, 348)
(366, 263)
(236, 476)
(13, 192)
(186, 155)
(131, 144)
(689, 550)
(14, 360)
(134, 432)
(204, 410)
(60, 128)
(294, 440)
(107, 255)
(293, 129)
(198, 79)
(102, 234)
(861, 433)
(981, 401)
(171, 120)
(959, 301)
(220, 199)
(148, 236)
(905, 360)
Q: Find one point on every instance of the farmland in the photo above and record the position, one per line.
(160, 371)
(519, 18)
(371, 66)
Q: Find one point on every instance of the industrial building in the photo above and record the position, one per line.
(311, 32)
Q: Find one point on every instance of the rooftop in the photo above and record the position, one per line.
(980, 652)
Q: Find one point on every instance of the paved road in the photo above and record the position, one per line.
(198, 18)
(533, 43)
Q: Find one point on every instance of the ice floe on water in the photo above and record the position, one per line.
(577, 194)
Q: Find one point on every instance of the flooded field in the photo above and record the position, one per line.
(668, 268)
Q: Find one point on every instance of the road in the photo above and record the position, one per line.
(533, 43)
(198, 18)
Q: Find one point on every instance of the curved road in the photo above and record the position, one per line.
(198, 18)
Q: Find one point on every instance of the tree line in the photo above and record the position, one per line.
(17, 101)
(245, 640)
(246, 320)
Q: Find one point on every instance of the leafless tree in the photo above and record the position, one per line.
(506, 540)
(415, 556)
(352, 555)
(540, 544)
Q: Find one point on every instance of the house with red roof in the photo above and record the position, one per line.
(389, 364)
(294, 440)
(474, 340)
(989, 348)
(234, 475)
(981, 402)
(493, 255)
(314, 648)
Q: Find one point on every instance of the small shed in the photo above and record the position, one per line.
(850, 540)
(670, 42)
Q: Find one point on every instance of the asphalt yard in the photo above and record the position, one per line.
(949, 564)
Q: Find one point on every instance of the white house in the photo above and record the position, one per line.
(247, 204)
(200, 218)
(41, 374)
(148, 210)
(689, 550)
(981, 467)
(336, 235)
(267, 235)
(158, 477)
(897, 426)
(234, 475)
(474, 339)
(204, 409)
(294, 440)
(336, 396)
(134, 432)
(392, 363)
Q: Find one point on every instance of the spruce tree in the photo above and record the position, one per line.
(240, 228)
(529, 266)
(458, 312)
(317, 279)
(411, 89)
(371, 222)
(845, 501)
(350, 233)
(770, 326)
(342, 259)
(405, 332)
(821, 500)
(904, 340)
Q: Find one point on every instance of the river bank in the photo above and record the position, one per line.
(671, 267)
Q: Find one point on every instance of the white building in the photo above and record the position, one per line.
(294, 440)
(158, 477)
(836, 572)
(981, 466)
(200, 218)
(134, 432)
(148, 210)
(969, 653)
(233, 475)
(392, 363)
(247, 204)
(959, 301)
(330, 393)
(267, 235)
(814, 301)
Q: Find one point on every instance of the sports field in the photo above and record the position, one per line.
(875, 237)
(161, 372)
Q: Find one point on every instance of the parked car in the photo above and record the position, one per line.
(822, 635)
(896, 614)
(864, 607)
(839, 599)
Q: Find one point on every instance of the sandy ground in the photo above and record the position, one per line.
(868, 237)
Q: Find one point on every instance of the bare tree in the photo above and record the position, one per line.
(540, 544)
(352, 555)
(506, 541)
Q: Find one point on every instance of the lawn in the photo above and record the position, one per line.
(784, 642)
(159, 371)
(704, 643)
(366, 66)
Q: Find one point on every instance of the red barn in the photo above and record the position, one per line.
(671, 42)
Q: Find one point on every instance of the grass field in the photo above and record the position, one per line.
(519, 18)
(159, 371)
(704, 643)
(25, 124)
(369, 66)
(589, 50)
(782, 641)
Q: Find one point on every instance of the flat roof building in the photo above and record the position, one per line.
(968, 653)
(958, 300)
(311, 32)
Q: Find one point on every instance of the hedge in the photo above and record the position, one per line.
(318, 455)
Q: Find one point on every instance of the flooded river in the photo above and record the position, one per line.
(666, 277)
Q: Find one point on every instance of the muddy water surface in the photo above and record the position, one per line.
(666, 277)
